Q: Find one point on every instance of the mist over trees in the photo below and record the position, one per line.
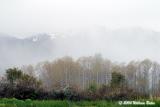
(129, 43)
(90, 77)
(141, 76)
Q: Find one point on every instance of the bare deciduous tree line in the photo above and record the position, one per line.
(141, 76)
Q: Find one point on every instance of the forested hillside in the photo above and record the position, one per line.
(90, 77)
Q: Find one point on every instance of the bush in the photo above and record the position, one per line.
(71, 93)
(25, 93)
(59, 94)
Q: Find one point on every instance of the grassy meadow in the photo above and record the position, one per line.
(59, 103)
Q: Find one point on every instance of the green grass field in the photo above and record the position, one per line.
(57, 103)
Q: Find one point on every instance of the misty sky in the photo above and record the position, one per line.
(27, 17)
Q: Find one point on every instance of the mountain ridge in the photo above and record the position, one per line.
(117, 45)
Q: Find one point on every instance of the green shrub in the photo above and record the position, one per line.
(71, 94)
